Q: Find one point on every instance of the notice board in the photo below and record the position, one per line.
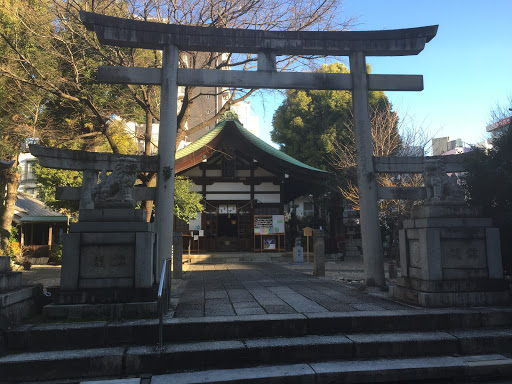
(195, 224)
(268, 224)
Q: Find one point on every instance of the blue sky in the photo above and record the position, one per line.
(466, 68)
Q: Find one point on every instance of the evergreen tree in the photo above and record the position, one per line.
(488, 184)
(309, 124)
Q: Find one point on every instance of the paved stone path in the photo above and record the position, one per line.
(268, 288)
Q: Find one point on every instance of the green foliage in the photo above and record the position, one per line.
(307, 123)
(56, 254)
(14, 234)
(49, 179)
(488, 184)
(124, 141)
(46, 51)
(186, 203)
(14, 244)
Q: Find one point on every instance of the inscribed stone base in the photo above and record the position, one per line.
(449, 257)
(108, 259)
(88, 295)
(95, 311)
(451, 298)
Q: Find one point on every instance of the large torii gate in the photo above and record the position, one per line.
(267, 45)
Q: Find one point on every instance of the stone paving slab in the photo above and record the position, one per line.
(238, 289)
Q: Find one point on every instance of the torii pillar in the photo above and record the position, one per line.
(166, 150)
(367, 183)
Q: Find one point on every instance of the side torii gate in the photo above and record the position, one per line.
(267, 45)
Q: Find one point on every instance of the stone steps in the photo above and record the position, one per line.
(63, 351)
(44, 337)
(429, 369)
(122, 361)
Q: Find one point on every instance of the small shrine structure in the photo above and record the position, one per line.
(245, 183)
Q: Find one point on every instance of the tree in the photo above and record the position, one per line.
(308, 124)
(501, 111)
(19, 115)
(391, 136)
(46, 48)
(48, 179)
(64, 55)
(488, 184)
(186, 203)
(43, 52)
(62, 46)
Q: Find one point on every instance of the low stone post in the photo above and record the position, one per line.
(298, 252)
(319, 252)
(177, 256)
(392, 272)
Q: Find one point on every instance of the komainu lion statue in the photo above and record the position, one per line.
(441, 187)
(115, 190)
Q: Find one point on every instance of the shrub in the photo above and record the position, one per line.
(56, 254)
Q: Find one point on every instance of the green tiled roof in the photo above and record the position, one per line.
(202, 141)
(206, 138)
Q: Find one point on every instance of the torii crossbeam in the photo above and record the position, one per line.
(267, 45)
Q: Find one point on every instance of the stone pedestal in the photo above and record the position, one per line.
(107, 263)
(16, 301)
(450, 257)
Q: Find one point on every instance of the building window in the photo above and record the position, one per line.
(308, 209)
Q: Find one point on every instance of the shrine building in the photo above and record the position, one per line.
(245, 183)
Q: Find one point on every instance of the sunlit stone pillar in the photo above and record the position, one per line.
(166, 152)
(369, 215)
